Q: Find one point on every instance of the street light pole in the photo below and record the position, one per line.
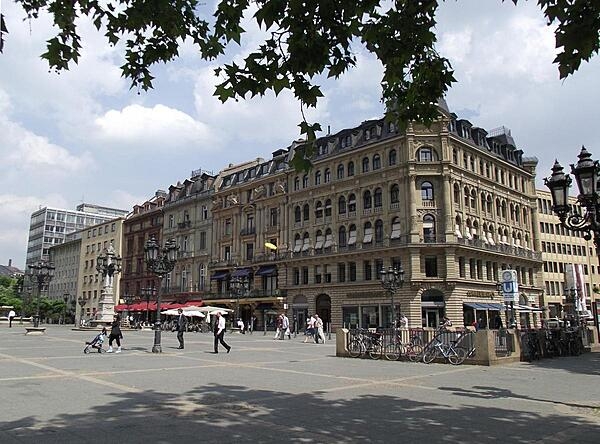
(239, 285)
(66, 297)
(82, 301)
(571, 297)
(391, 281)
(42, 272)
(159, 262)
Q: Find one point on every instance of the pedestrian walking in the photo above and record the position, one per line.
(219, 331)
(251, 324)
(279, 327)
(181, 327)
(310, 329)
(285, 327)
(115, 334)
(319, 334)
(240, 324)
(11, 316)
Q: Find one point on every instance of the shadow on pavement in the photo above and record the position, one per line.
(228, 414)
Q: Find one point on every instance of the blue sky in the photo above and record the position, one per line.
(84, 135)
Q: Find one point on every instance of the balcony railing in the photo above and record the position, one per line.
(247, 231)
(184, 224)
(501, 248)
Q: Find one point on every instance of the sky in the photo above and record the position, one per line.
(84, 136)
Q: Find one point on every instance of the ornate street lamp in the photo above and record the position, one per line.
(239, 285)
(108, 263)
(159, 262)
(66, 297)
(41, 272)
(147, 293)
(586, 174)
(392, 280)
(82, 301)
(572, 301)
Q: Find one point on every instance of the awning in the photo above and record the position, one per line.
(219, 275)
(528, 308)
(241, 272)
(484, 305)
(267, 270)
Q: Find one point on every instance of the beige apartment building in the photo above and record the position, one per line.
(562, 248)
(452, 204)
(94, 240)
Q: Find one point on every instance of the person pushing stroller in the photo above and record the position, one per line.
(97, 342)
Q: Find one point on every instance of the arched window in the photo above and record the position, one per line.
(378, 198)
(305, 181)
(350, 169)
(395, 228)
(297, 243)
(328, 208)
(456, 193)
(454, 156)
(426, 191)
(368, 233)
(297, 215)
(395, 194)
(376, 162)
(352, 203)
(342, 205)
(296, 183)
(392, 158)
(378, 231)
(517, 214)
(482, 198)
(498, 207)
(466, 191)
(365, 165)
(504, 209)
(306, 213)
(428, 228)
(367, 202)
(425, 154)
(340, 171)
(342, 239)
(525, 216)
(327, 175)
(488, 204)
(473, 199)
(318, 178)
(319, 210)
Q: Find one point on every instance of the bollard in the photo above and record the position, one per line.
(329, 330)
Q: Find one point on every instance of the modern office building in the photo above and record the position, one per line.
(570, 263)
(50, 226)
(66, 257)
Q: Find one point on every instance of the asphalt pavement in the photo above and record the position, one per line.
(268, 391)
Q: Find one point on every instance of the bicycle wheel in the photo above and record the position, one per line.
(86, 350)
(393, 352)
(414, 353)
(457, 355)
(376, 350)
(430, 354)
(355, 348)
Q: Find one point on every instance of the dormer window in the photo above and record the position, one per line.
(368, 134)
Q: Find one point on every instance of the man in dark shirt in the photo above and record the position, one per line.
(181, 326)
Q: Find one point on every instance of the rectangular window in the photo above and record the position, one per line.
(305, 275)
(296, 272)
(249, 251)
(341, 272)
(367, 270)
(318, 276)
(431, 266)
(352, 271)
(203, 240)
(461, 267)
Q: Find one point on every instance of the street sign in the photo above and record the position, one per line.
(510, 286)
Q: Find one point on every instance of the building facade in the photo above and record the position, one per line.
(452, 204)
(561, 250)
(66, 257)
(94, 241)
(143, 223)
(50, 226)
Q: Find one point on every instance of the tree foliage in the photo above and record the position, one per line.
(306, 39)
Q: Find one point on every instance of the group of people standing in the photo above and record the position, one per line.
(283, 327)
(314, 329)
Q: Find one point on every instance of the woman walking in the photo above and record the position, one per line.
(115, 334)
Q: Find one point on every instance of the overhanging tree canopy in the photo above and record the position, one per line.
(306, 39)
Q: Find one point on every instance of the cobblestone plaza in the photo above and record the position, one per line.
(280, 391)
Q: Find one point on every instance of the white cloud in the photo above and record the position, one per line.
(158, 127)
(456, 45)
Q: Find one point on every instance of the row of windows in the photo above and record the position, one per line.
(485, 169)
(545, 207)
(469, 196)
(559, 267)
(92, 233)
(555, 288)
(474, 269)
(91, 248)
(186, 217)
(556, 247)
(559, 229)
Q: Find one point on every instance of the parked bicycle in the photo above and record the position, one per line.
(366, 342)
(437, 348)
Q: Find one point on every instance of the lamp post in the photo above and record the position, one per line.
(66, 297)
(147, 293)
(108, 263)
(160, 262)
(509, 306)
(239, 286)
(82, 301)
(42, 272)
(586, 173)
(392, 280)
(571, 298)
